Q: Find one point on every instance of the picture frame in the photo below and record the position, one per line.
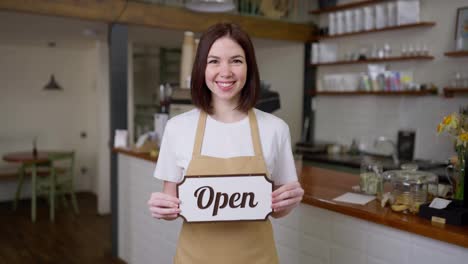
(461, 29)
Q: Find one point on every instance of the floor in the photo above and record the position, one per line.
(85, 238)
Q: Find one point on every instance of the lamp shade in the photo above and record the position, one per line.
(52, 85)
(212, 6)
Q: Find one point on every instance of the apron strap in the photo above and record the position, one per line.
(253, 132)
(199, 135)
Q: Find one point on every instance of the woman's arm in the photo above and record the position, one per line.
(285, 198)
(165, 205)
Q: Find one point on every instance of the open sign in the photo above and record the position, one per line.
(225, 198)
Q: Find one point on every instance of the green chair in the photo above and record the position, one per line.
(54, 179)
(59, 182)
(25, 170)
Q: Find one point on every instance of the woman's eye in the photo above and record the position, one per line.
(237, 61)
(212, 61)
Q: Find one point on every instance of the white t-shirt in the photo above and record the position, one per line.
(225, 140)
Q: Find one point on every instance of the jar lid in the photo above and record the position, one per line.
(410, 175)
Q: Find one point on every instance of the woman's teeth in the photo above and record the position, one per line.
(225, 84)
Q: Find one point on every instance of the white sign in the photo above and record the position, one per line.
(225, 198)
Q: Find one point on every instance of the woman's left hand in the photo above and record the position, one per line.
(286, 197)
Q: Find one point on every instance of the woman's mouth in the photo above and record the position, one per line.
(225, 86)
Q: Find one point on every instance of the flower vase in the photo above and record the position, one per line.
(460, 169)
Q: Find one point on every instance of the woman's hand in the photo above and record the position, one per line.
(285, 198)
(165, 205)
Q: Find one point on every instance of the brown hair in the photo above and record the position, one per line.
(201, 95)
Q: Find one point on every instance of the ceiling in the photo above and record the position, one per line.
(37, 30)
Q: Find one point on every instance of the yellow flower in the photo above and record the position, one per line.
(447, 120)
(463, 137)
(454, 121)
(440, 128)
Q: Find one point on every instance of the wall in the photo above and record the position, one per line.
(102, 179)
(56, 117)
(341, 119)
(281, 64)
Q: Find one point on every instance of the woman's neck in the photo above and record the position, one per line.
(227, 112)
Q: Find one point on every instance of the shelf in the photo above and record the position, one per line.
(160, 16)
(450, 92)
(462, 53)
(414, 25)
(399, 58)
(379, 93)
(345, 6)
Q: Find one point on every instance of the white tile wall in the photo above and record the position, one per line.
(371, 260)
(309, 235)
(343, 119)
(142, 239)
(313, 248)
(351, 240)
(343, 255)
(347, 237)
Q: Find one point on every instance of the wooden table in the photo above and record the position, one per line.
(28, 160)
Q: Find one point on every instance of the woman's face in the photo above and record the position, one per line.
(226, 70)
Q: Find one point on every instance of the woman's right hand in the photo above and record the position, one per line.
(164, 205)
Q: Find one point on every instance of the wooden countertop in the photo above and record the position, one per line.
(322, 185)
(133, 153)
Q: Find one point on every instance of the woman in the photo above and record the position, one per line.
(225, 135)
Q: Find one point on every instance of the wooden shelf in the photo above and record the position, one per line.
(345, 6)
(379, 93)
(450, 92)
(399, 58)
(463, 53)
(414, 25)
(153, 15)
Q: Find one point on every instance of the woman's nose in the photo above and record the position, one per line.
(225, 70)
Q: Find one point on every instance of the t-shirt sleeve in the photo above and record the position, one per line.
(166, 166)
(285, 170)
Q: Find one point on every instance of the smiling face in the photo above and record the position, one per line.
(226, 71)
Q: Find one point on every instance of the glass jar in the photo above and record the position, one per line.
(411, 188)
(370, 177)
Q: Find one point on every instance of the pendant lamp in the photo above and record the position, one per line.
(52, 85)
(210, 6)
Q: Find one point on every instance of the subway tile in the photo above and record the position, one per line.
(369, 117)
(315, 248)
(287, 255)
(348, 235)
(287, 237)
(341, 255)
(437, 250)
(371, 260)
(304, 259)
(388, 248)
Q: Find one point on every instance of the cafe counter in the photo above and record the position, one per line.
(319, 230)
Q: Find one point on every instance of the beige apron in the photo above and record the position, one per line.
(241, 242)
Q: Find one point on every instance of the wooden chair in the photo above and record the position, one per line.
(59, 182)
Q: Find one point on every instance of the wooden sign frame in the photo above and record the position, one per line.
(224, 183)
